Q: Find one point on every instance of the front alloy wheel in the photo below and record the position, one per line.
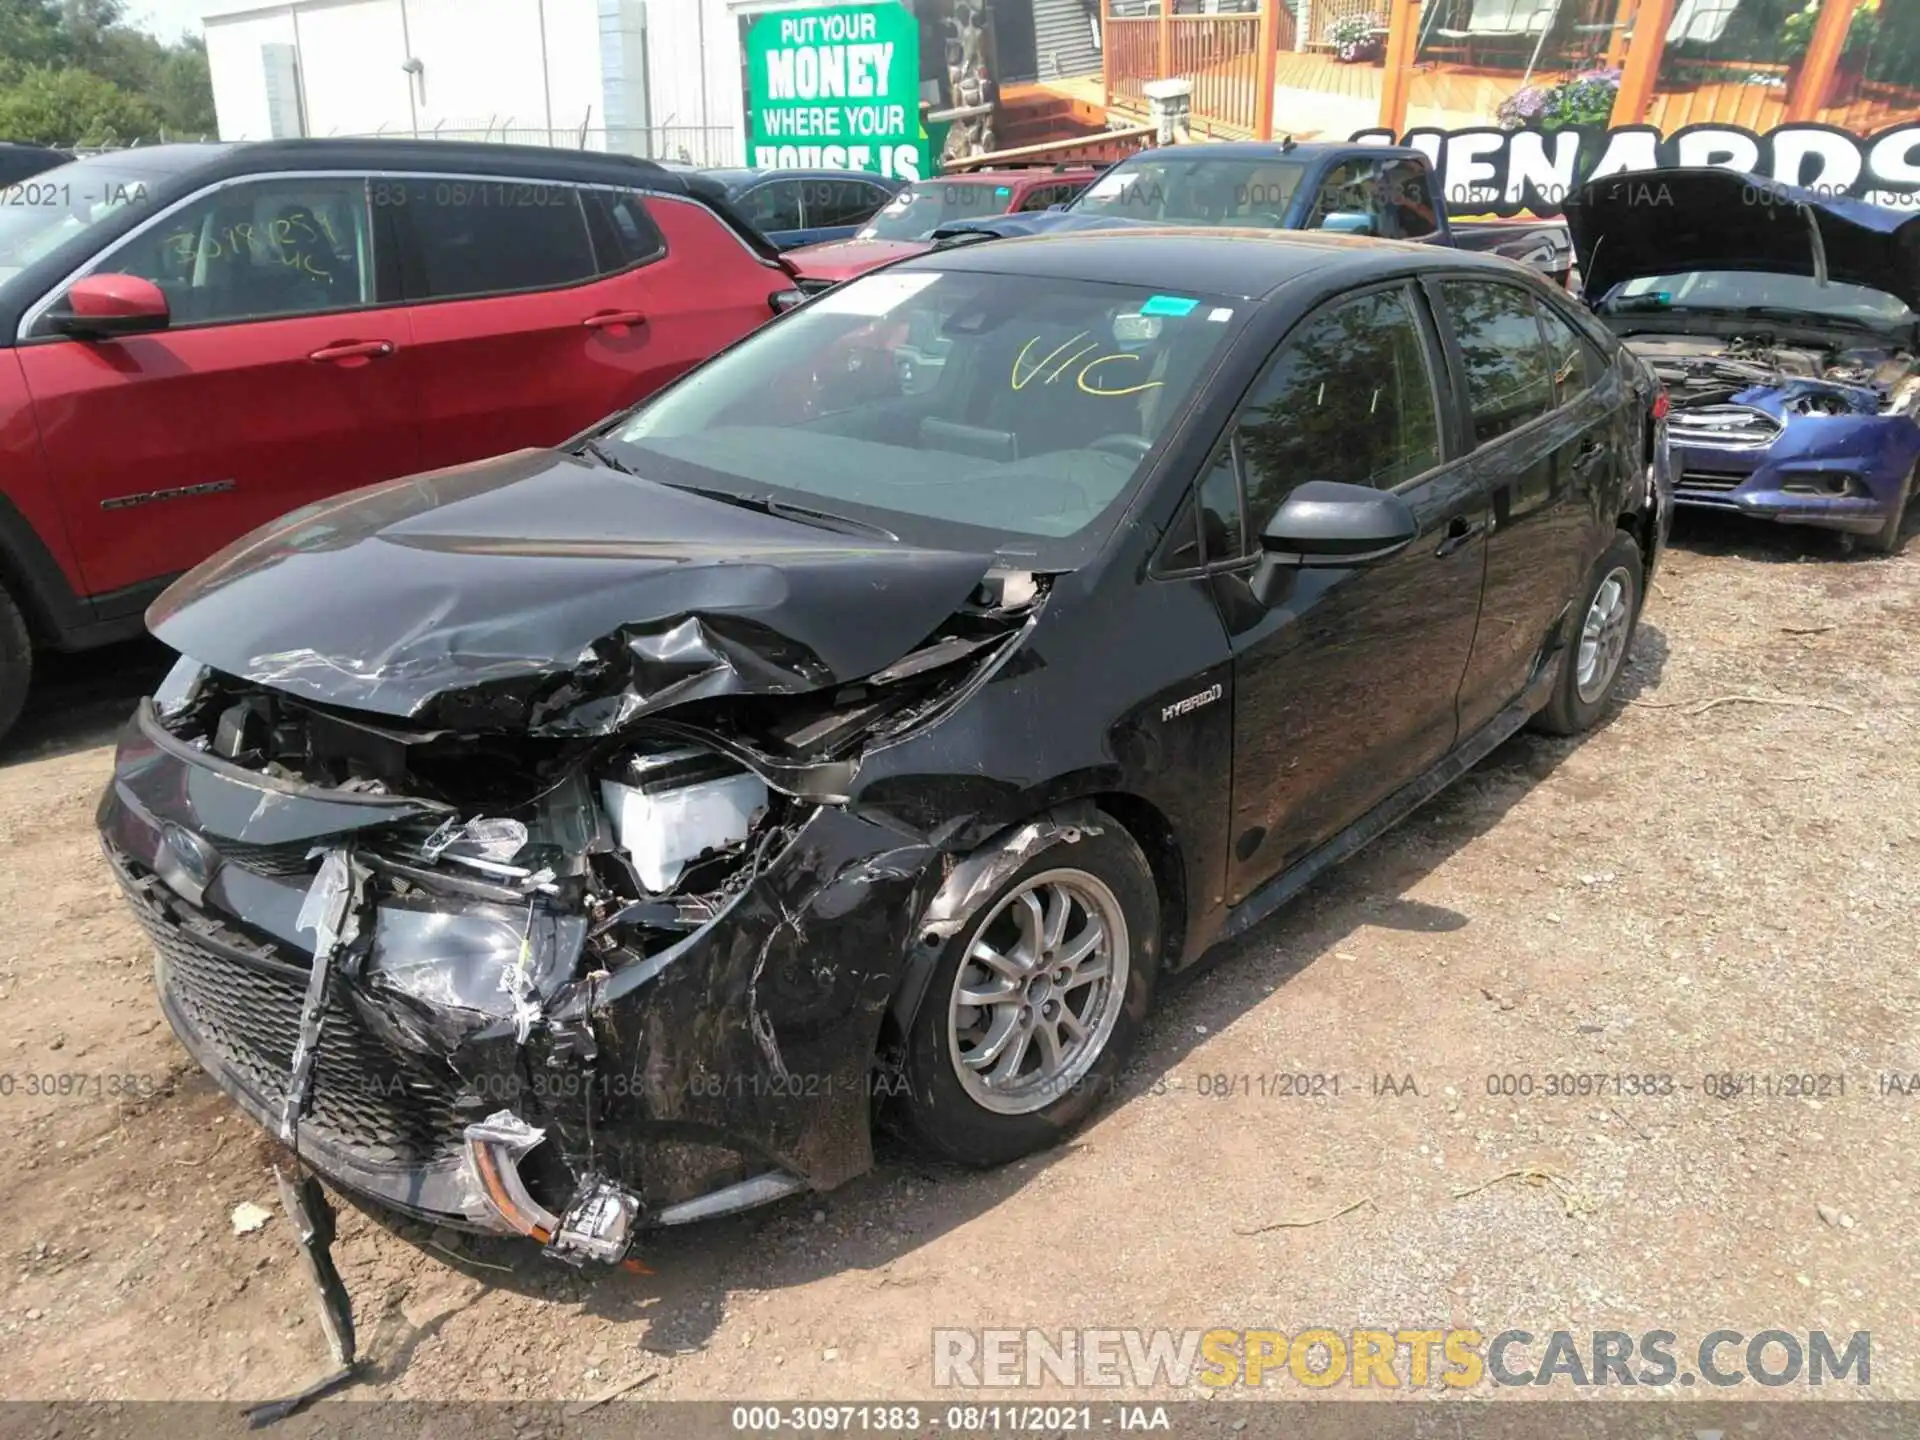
(1034, 1002)
(1036, 999)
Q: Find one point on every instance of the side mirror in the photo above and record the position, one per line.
(1327, 525)
(1348, 222)
(102, 307)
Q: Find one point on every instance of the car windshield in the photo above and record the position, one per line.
(947, 408)
(1744, 290)
(917, 211)
(44, 211)
(1193, 191)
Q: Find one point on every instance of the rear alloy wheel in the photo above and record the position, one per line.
(16, 662)
(1035, 1002)
(1609, 612)
(1886, 539)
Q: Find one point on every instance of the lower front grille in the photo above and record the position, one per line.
(244, 1009)
(1700, 481)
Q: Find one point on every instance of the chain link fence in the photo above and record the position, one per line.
(705, 146)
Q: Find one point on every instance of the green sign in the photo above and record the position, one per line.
(837, 88)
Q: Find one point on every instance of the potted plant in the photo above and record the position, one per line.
(1356, 39)
(1583, 99)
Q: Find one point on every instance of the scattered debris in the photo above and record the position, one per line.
(1807, 629)
(1838, 1219)
(1701, 707)
(1306, 1224)
(249, 1217)
(612, 1392)
(1571, 1199)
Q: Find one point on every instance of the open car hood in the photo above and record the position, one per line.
(1657, 222)
(543, 591)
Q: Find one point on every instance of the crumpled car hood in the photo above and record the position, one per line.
(544, 591)
(1659, 222)
(842, 259)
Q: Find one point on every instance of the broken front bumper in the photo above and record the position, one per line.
(1849, 488)
(729, 1068)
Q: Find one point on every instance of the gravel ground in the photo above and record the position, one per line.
(1695, 889)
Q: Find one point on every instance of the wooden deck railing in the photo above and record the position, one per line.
(1229, 58)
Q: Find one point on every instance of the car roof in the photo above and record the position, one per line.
(1013, 177)
(1237, 263)
(1301, 151)
(734, 176)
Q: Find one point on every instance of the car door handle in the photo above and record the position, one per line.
(1461, 532)
(354, 350)
(610, 319)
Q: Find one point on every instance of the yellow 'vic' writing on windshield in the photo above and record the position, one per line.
(1084, 377)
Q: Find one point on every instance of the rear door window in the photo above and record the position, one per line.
(1577, 365)
(624, 234)
(492, 237)
(1509, 375)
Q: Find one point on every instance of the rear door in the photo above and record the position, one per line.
(538, 309)
(278, 382)
(1542, 435)
(1345, 688)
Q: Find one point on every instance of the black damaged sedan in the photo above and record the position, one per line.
(607, 837)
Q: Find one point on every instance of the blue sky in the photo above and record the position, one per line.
(165, 18)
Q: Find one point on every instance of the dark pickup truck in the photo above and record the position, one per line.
(1381, 190)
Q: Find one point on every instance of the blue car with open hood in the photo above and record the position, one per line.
(1783, 323)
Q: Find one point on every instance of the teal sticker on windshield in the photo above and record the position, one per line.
(1168, 305)
(1001, 192)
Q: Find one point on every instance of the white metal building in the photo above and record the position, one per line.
(649, 77)
(537, 70)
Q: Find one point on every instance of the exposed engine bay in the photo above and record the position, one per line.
(1839, 379)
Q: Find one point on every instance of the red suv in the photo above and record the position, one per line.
(195, 339)
(905, 225)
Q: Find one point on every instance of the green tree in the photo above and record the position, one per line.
(30, 34)
(183, 89)
(70, 106)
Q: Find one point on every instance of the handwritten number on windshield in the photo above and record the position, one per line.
(1083, 375)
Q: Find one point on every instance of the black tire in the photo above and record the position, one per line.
(936, 1111)
(1570, 712)
(16, 662)
(1886, 539)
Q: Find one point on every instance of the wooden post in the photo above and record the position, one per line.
(1106, 55)
(1166, 40)
(1643, 61)
(1822, 59)
(1403, 39)
(1269, 42)
(1617, 36)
